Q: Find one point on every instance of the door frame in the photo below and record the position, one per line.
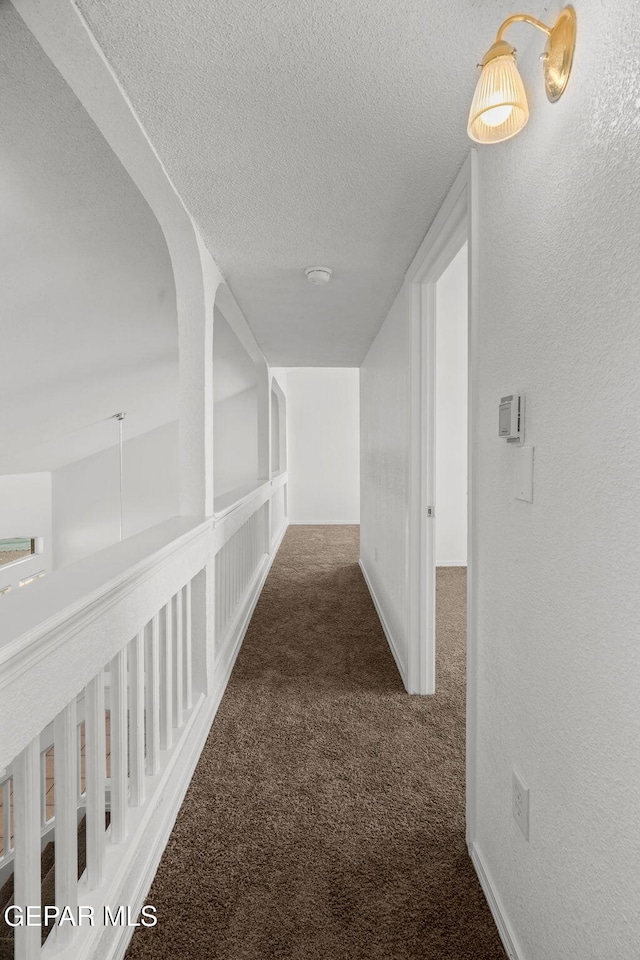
(455, 222)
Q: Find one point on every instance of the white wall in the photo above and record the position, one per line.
(452, 326)
(557, 580)
(323, 423)
(275, 433)
(86, 500)
(238, 414)
(25, 511)
(559, 673)
(87, 294)
(278, 413)
(384, 451)
(235, 421)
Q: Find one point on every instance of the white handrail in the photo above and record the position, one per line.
(29, 617)
(248, 496)
(67, 620)
(140, 640)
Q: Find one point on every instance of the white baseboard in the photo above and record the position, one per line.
(139, 867)
(509, 942)
(453, 563)
(385, 626)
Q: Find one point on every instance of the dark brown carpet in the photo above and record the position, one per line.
(325, 818)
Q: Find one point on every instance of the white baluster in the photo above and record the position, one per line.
(153, 697)
(232, 595)
(218, 601)
(95, 766)
(178, 692)
(80, 767)
(43, 788)
(221, 561)
(246, 560)
(236, 569)
(233, 566)
(65, 766)
(166, 685)
(264, 530)
(233, 558)
(230, 580)
(254, 540)
(6, 816)
(119, 747)
(245, 557)
(26, 813)
(241, 558)
(226, 586)
(188, 665)
(230, 577)
(136, 719)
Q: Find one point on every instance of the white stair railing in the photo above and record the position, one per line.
(6, 819)
(115, 684)
(237, 563)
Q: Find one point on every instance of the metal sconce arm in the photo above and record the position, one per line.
(522, 18)
(558, 55)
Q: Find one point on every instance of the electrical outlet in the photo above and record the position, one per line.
(520, 806)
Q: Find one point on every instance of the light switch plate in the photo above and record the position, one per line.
(523, 480)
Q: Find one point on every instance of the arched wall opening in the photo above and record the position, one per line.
(240, 406)
(88, 297)
(278, 429)
(66, 39)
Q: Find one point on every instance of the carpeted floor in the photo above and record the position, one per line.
(325, 818)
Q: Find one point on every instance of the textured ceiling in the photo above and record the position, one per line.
(87, 302)
(316, 132)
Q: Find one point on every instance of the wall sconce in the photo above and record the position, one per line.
(499, 109)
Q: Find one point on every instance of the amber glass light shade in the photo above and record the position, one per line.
(499, 109)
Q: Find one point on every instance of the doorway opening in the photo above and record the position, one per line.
(443, 537)
(451, 474)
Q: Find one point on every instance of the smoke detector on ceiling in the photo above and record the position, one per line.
(318, 274)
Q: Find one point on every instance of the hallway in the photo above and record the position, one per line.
(325, 817)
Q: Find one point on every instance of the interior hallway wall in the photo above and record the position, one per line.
(559, 672)
(323, 424)
(86, 494)
(235, 421)
(452, 326)
(238, 410)
(384, 453)
(25, 511)
(557, 618)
